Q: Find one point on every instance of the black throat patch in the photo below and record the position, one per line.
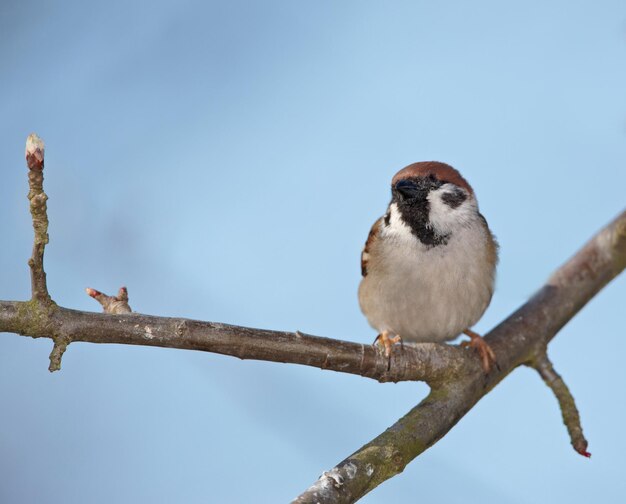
(415, 211)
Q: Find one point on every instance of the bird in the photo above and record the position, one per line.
(429, 263)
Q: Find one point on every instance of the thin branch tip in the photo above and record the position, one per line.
(34, 152)
(567, 404)
(122, 294)
(583, 451)
(92, 292)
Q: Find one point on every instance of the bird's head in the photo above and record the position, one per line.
(433, 200)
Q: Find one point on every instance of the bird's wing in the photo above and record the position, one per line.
(371, 239)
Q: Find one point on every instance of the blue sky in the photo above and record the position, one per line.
(225, 161)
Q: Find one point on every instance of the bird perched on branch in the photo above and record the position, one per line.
(429, 263)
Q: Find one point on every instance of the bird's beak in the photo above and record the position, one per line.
(408, 189)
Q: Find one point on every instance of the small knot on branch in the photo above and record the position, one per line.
(111, 304)
(569, 411)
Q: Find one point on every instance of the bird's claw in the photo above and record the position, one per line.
(485, 352)
(386, 342)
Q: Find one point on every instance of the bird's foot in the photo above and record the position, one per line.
(386, 342)
(486, 354)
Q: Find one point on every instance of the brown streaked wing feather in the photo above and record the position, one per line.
(371, 238)
(492, 243)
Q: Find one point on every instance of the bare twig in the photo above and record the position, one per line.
(112, 304)
(571, 418)
(38, 210)
(60, 345)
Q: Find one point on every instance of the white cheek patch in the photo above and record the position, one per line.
(443, 217)
(396, 226)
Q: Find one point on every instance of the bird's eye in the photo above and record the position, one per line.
(454, 198)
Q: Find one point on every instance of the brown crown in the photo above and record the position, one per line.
(440, 171)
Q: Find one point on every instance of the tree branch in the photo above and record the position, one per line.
(39, 213)
(571, 418)
(426, 362)
(454, 374)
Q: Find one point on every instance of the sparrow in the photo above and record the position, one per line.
(429, 263)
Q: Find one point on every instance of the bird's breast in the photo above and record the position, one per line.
(427, 293)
